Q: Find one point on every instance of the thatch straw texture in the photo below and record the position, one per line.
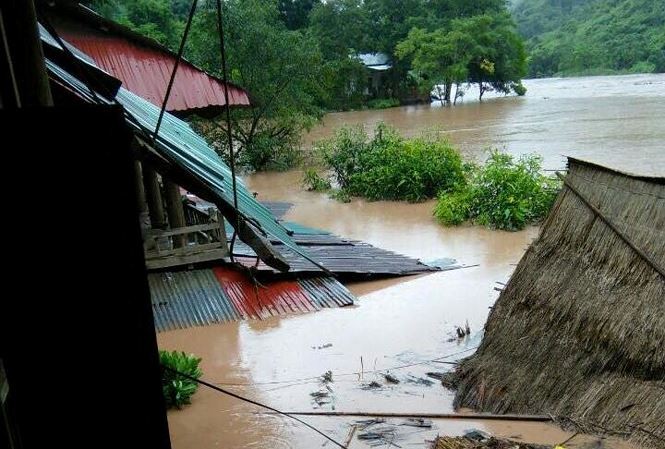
(579, 331)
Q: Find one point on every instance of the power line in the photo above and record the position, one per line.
(229, 393)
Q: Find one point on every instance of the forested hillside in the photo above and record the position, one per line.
(573, 37)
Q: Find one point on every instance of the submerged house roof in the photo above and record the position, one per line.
(579, 330)
(143, 65)
(376, 61)
(213, 295)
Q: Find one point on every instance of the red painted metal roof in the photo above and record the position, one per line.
(146, 71)
(212, 295)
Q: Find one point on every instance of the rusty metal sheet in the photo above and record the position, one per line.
(214, 295)
(145, 71)
(262, 300)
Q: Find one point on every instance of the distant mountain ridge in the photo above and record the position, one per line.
(576, 37)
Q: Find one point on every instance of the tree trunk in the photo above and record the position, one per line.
(448, 89)
(482, 91)
(441, 97)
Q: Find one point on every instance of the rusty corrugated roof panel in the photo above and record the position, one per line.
(146, 72)
(214, 295)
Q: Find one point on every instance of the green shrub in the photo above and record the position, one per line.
(177, 389)
(519, 89)
(453, 208)
(383, 103)
(503, 194)
(389, 167)
(312, 181)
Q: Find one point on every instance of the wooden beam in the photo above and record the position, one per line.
(26, 58)
(140, 189)
(187, 259)
(153, 197)
(185, 230)
(175, 211)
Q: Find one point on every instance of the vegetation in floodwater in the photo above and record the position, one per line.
(383, 103)
(503, 194)
(314, 182)
(178, 389)
(390, 167)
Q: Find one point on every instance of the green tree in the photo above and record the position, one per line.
(295, 13)
(280, 68)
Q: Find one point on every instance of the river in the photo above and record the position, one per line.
(618, 121)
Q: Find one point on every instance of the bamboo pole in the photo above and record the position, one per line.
(470, 417)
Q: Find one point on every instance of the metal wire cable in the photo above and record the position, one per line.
(225, 78)
(258, 404)
(175, 69)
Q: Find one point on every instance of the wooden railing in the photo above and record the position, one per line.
(187, 245)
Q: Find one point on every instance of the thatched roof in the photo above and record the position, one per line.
(579, 331)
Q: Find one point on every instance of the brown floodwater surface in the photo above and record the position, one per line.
(402, 325)
(617, 120)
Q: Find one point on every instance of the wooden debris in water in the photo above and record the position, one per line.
(489, 443)
(390, 378)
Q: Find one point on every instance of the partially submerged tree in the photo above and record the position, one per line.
(280, 68)
(483, 49)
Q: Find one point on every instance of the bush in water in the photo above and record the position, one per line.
(312, 181)
(504, 193)
(177, 389)
(389, 167)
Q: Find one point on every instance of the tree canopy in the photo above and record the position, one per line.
(574, 37)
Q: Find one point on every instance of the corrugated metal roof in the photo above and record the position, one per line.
(142, 64)
(146, 72)
(186, 150)
(214, 295)
(341, 256)
(376, 61)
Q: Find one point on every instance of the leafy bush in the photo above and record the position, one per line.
(503, 194)
(383, 103)
(453, 208)
(312, 181)
(177, 389)
(389, 167)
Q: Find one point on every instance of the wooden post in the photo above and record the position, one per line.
(153, 197)
(140, 189)
(28, 78)
(175, 211)
(221, 235)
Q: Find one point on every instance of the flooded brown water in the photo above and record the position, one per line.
(616, 120)
(404, 324)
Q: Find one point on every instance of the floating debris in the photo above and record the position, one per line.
(327, 377)
(437, 376)
(419, 381)
(417, 422)
(488, 443)
(373, 385)
(321, 397)
(390, 378)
